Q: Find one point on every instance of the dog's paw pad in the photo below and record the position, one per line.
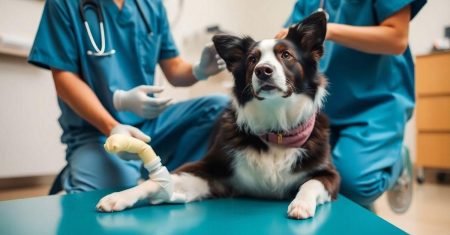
(301, 209)
(115, 202)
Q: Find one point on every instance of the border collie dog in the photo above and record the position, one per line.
(272, 142)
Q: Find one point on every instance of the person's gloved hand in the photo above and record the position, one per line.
(210, 63)
(133, 132)
(137, 101)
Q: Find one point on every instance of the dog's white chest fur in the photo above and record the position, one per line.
(266, 174)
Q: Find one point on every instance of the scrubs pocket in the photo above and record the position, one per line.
(101, 71)
(149, 52)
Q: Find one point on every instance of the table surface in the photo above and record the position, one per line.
(75, 214)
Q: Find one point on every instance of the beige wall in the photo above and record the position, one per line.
(29, 144)
(29, 140)
(428, 25)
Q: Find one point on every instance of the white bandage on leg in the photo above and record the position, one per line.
(160, 175)
(157, 172)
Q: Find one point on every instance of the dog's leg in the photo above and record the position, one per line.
(158, 189)
(184, 188)
(119, 201)
(311, 194)
(193, 188)
(316, 191)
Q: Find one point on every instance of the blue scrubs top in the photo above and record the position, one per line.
(62, 43)
(366, 89)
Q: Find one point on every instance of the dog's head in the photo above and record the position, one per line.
(273, 77)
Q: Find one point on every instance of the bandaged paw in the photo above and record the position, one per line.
(160, 175)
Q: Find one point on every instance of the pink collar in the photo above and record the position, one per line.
(294, 138)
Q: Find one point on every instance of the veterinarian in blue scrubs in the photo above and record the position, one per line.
(371, 91)
(102, 91)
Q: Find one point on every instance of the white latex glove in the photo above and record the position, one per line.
(160, 175)
(133, 132)
(210, 63)
(137, 101)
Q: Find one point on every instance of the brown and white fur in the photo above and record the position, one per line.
(277, 88)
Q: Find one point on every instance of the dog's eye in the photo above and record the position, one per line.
(252, 59)
(286, 55)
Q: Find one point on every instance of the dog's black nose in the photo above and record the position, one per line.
(264, 71)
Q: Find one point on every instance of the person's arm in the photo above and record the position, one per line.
(79, 96)
(390, 37)
(178, 72)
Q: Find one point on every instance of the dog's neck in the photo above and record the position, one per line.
(294, 138)
(277, 115)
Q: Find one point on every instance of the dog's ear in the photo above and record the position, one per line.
(309, 34)
(232, 49)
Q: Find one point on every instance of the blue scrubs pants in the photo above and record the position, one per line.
(180, 134)
(368, 158)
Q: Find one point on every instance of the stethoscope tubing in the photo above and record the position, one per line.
(98, 10)
(96, 5)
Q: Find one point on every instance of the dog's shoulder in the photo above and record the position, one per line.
(230, 135)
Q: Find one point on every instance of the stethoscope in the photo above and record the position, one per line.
(97, 7)
(322, 9)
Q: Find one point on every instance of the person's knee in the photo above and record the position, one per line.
(214, 105)
(363, 190)
(90, 168)
(218, 101)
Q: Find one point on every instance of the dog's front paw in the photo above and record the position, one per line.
(301, 209)
(116, 202)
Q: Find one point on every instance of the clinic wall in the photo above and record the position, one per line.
(29, 140)
(429, 25)
(426, 27)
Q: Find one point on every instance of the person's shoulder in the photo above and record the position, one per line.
(306, 5)
(70, 2)
(155, 6)
(63, 4)
(157, 3)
